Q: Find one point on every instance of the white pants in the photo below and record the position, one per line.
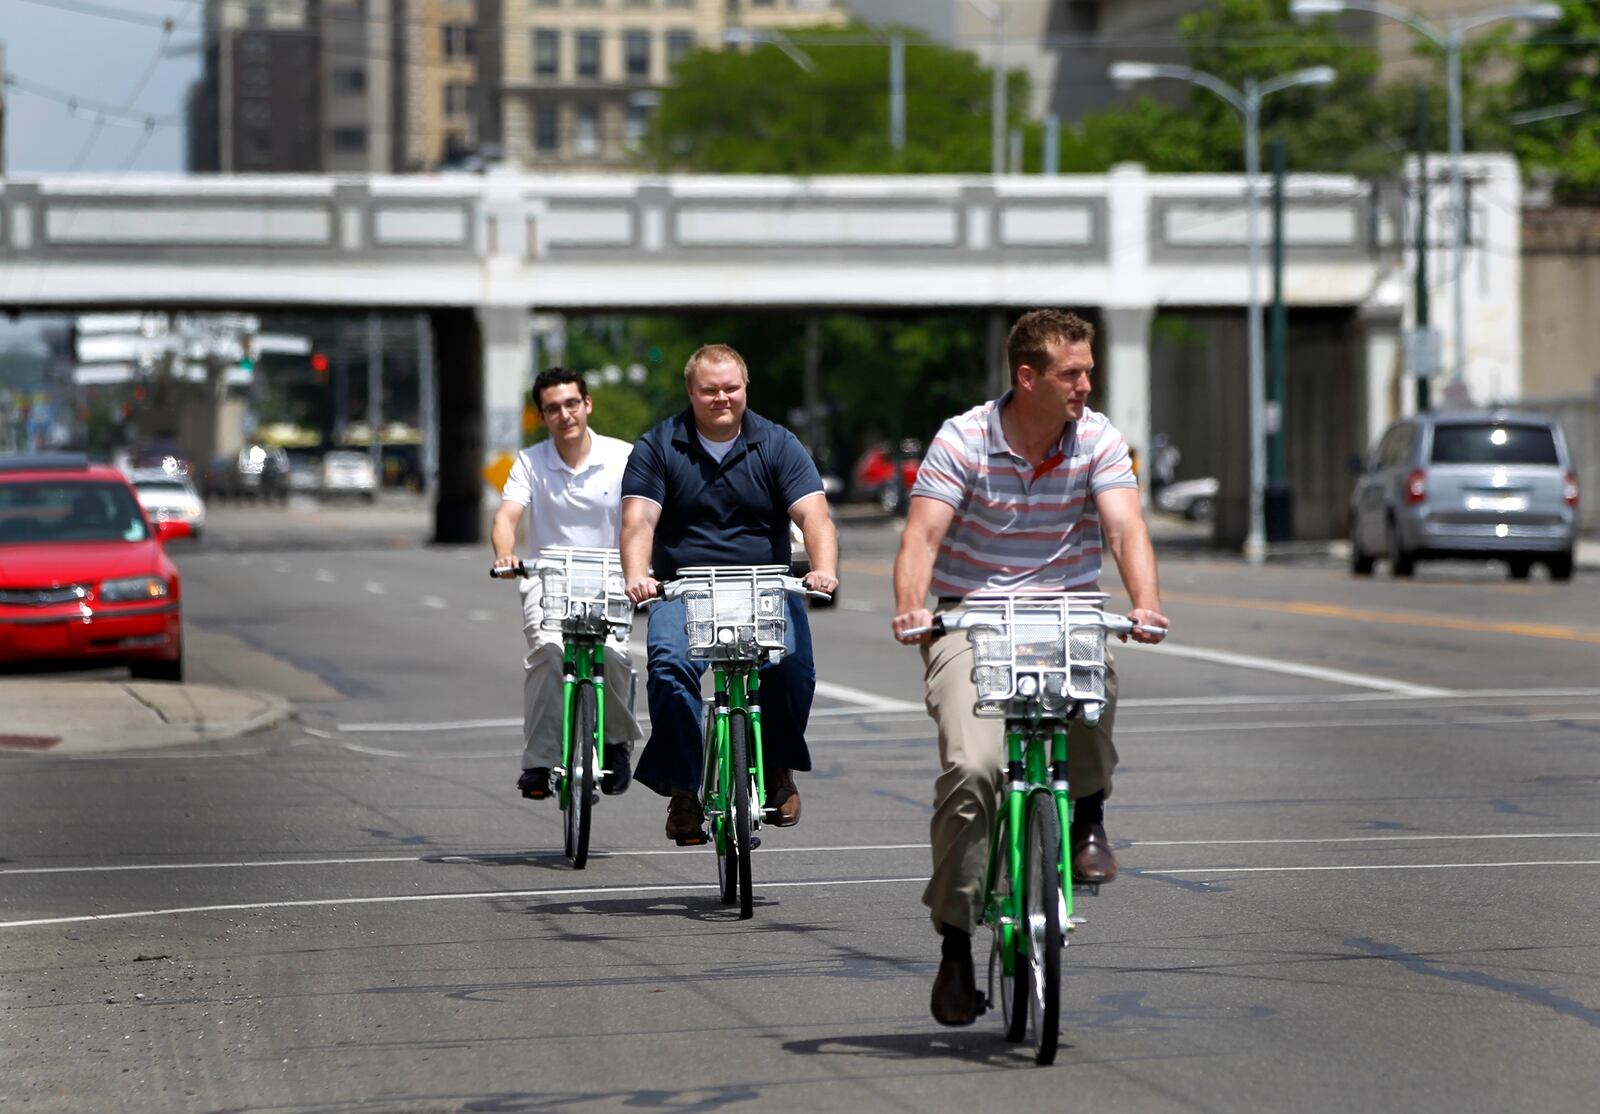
(541, 689)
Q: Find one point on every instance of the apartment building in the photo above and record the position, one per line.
(570, 84)
(437, 43)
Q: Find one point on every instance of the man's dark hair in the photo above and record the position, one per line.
(1036, 330)
(554, 377)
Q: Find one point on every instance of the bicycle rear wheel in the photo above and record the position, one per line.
(739, 759)
(580, 775)
(1007, 959)
(1040, 941)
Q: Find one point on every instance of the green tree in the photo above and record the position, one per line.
(1561, 68)
(758, 112)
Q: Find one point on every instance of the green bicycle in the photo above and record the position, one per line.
(1038, 662)
(581, 594)
(736, 618)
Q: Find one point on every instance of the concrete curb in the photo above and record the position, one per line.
(45, 716)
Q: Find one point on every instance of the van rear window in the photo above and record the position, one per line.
(1487, 443)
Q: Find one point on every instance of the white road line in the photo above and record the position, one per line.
(374, 587)
(868, 700)
(1295, 669)
(444, 725)
(1226, 870)
(480, 616)
(324, 576)
(482, 895)
(207, 866)
(434, 602)
(1356, 839)
(316, 734)
(376, 752)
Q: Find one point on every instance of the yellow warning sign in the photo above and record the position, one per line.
(498, 470)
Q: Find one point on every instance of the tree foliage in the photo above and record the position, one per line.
(1561, 67)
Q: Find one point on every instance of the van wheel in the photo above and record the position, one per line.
(1560, 566)
(1401, 560)
(1360, 562)
(1519, 568)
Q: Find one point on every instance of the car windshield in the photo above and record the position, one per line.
(68, 511)
(1489, 443)
(160, 485)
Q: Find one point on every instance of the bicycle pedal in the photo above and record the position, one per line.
(1092, 889)
(755, 841)
(692, 840)
(983, 1003)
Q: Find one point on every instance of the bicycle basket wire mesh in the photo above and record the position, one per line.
(1039, 654)
(734, 612)
(584, 587)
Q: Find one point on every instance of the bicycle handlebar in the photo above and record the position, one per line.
(510, 572)
(964, 619)
(673, 589)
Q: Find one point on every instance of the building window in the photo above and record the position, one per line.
(679, 43)
(634, 124)
(458, 40)
(258, 113)
(636, 53)
(546, 127)
(546, 53)
(588, 53)
(635, 3)
(458, 99)
(586, 129)
(547, 3)
(350, 139)
(349, 81)
(585, 3)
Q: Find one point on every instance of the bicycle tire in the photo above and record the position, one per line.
(580, 775)
(739, 754)
(1009, 992)
(721, 833)
(1041, 941)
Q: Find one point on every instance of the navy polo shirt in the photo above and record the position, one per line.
(732, 513)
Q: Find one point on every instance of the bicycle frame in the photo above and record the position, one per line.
(583, 661)
(1030, 771)
(736, 690)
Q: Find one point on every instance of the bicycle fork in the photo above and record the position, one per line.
(581, 664)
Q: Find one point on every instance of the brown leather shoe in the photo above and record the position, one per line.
(955, 991)
(784, 798)
(1092, 860)
(686, 824)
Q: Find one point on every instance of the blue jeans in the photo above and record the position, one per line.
(674, 756)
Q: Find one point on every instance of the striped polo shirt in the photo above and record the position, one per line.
(1019, 527)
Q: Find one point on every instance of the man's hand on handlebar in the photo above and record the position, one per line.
(920, 619)
(643, 588)
(818, 581)
(1147, 617)
(507, 561)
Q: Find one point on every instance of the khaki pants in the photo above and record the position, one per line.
(542, 688)
(972, 759)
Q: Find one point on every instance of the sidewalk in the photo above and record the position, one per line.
(39, 714)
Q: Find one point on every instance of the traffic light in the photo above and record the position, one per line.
(319, 366)
(247, 357)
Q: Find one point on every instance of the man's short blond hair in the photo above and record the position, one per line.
(714, 354)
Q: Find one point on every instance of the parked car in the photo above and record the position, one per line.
(873, 478)
(1467, 484)
(348, 473)
(305, 471)
(165, 494)
(84, 577)
(255, 472)
(1195, 499)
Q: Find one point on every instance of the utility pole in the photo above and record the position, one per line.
(1278, 502)
(1421, 375)
(430, 432)
(375, 393)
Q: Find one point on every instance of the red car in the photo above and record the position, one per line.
(83, 574)
(874, 475)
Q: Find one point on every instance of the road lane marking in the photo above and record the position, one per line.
(480, 616)
(443, 725)
(1297, 669)
(1389, 618)
(434, 602)
(323, 576)
(376, 752)
(1220, 871)
(207, 866)
(374, 587)
(480, 895)
(1354, 839)
(872, 702)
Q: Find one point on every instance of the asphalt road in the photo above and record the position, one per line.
(1359, 824)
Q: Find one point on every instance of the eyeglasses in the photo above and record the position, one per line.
(556, 409)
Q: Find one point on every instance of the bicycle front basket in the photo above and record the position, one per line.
(734, 612)
(580, 585)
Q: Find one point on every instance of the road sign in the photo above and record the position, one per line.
(498, 470)
(1422, 352)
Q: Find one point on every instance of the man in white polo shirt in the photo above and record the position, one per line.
(572, 486)
(1019, 494)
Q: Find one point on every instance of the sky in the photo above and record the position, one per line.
(108, 52)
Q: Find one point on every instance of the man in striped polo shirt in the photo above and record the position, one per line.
(1016, 495)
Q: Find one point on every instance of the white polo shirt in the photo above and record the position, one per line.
(568, 506)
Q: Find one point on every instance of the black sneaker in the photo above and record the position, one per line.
(618, 772)
(534, 784)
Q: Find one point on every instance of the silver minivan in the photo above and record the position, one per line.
(1480, 483)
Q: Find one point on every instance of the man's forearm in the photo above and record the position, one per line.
(1136, 563)
(638, 538)
(913, 573)
(503, 535)
(822, 546)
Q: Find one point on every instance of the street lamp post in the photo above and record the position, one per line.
(1247, 103)
(995, 12)
(1448, 38)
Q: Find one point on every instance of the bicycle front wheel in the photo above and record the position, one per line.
(1008, 980)
(739, 759)
(580, 775)
(1041, 936)
(721, 830)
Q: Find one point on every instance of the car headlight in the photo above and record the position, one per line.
(134, 588)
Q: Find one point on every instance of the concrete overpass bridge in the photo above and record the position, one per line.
(480, 253)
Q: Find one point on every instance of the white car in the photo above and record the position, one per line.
(167, 496)
(349, 473)
(1195, 500)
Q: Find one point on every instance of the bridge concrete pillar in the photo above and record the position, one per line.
(1127, 379)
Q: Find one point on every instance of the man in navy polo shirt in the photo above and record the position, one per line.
(719, 485)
